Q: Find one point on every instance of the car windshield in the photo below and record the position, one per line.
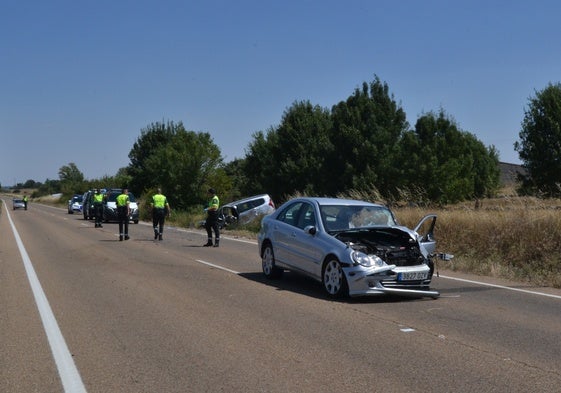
(342, 217)
(77, 198)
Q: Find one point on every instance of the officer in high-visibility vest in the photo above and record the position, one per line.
(160, 209)
(98, 208)
(212, 219)
(25, 201)
(123, 213)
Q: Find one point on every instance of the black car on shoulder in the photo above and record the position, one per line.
(110, 206)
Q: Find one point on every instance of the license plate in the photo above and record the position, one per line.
(412, 276)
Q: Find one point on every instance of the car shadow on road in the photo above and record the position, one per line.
(303, 285)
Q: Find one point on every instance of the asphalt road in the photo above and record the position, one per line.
(82, 312)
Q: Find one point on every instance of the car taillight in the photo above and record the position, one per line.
(271, 203)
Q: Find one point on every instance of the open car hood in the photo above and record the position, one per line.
(395, 245)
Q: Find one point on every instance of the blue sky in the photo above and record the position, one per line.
(80, 80)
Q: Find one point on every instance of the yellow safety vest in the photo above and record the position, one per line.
(159, 201)
(122, 200)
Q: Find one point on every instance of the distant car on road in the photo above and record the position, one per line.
(17, 203)
(75, 204)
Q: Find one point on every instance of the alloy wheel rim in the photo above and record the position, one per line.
(332, 277)
(267, 261)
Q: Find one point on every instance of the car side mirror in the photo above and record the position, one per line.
(311, 229)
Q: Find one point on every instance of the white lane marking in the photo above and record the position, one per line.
(69, 375)
(407, 330)
(217, 266)
(502, 287)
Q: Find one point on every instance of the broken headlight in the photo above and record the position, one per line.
(367, 260)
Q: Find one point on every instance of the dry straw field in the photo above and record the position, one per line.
(510, 237)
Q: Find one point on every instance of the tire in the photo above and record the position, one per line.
(270, 270)
(334, 280)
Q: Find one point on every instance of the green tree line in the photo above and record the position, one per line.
(363, 143)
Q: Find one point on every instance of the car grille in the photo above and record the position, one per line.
(407, 257)
(421, 284)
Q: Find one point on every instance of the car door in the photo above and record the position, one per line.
(425, 230)
(308, 247)
(283, 234)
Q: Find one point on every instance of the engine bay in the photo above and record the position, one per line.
(393, 246)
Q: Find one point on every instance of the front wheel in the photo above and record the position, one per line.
(333, 279)
(270, 270)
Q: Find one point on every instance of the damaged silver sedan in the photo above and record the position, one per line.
(354, 248)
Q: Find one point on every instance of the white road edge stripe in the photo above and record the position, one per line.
(217, 266)
(501, 287)
(69, 375)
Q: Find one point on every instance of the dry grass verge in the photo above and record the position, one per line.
(514, 238)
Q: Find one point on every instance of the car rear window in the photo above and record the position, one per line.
(242, 207)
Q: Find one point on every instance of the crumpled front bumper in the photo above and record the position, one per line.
(376, 281)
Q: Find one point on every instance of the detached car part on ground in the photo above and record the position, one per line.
(354, 248)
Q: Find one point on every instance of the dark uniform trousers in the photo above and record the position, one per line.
(158, 219)
(98, 210)
(123, 220)
(212, 225)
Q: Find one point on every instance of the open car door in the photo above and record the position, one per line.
(425, 230)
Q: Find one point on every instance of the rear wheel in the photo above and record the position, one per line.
(333, 279)
(270, 270)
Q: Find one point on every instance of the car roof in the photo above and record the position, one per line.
(247, 199)
(336, 201)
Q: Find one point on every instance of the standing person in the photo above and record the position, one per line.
(160, 209)
(25, 201)
(98, 208)
(212, 218)
(123, 213)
